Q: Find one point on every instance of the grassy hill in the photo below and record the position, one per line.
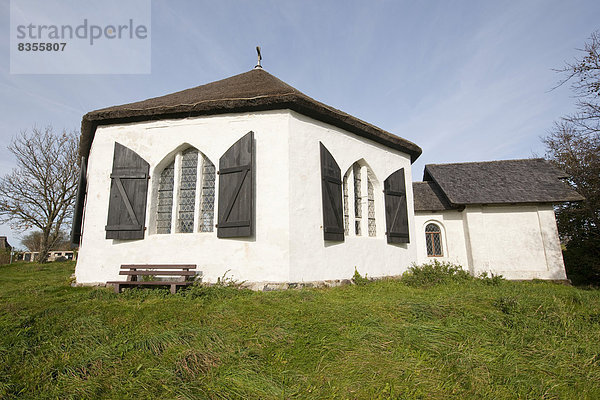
(480, 339)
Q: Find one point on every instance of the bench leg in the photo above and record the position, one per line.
(117, 288)
(173, 289)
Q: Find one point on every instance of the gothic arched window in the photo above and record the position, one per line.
(354, 187)
(186, 194)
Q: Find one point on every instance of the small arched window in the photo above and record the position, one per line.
(433, 240)
(186, 194)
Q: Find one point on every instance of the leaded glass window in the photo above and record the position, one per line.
(165, 199)
(346, 207)
(433, 240)
(357, 199)
(371, 207)
(187, 190)
(207, 202)
(189, 199)
(363, 207)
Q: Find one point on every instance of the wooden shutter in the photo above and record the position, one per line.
(79, 203)
(128, 193)
(236, 189)
(396, 211)
(331, 194)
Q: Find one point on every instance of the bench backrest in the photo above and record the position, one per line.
(158, 266)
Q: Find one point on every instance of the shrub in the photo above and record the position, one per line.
(358, 279)
(435, 273)
(226, 281)
(225, 287)
(491, 279)
(582, 262)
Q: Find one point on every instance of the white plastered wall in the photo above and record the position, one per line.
(312, 258)
(515, 241)
(454, 246)
(264, 257)
(288, 245)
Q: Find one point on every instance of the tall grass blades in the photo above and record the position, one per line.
(438, 333)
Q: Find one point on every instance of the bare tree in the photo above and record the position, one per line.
(574, 146)
(33, 241)
(40, 191)
(584, 76)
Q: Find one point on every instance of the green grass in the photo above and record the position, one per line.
(478, 339)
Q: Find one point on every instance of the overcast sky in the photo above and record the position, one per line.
(465, 80)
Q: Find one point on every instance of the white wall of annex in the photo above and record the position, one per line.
(264, 257)
(515, 241)
(454, 246)
(312, 258)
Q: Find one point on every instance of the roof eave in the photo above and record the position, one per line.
(516, 203)
(292, 102)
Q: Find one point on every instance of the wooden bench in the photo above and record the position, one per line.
(135, 272)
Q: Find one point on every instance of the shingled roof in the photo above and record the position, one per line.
(429, 197)
(255, 90)
(494, 182)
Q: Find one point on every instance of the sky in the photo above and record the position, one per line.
(465, 80)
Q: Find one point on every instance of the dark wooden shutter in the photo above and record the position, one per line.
(331, 193)
(236, 187)
(79, 203)
(128, 193)
(396, 211)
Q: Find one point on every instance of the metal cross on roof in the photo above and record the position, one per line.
(259, 58)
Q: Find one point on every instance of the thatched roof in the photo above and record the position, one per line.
(494, 182)
(255, 90)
